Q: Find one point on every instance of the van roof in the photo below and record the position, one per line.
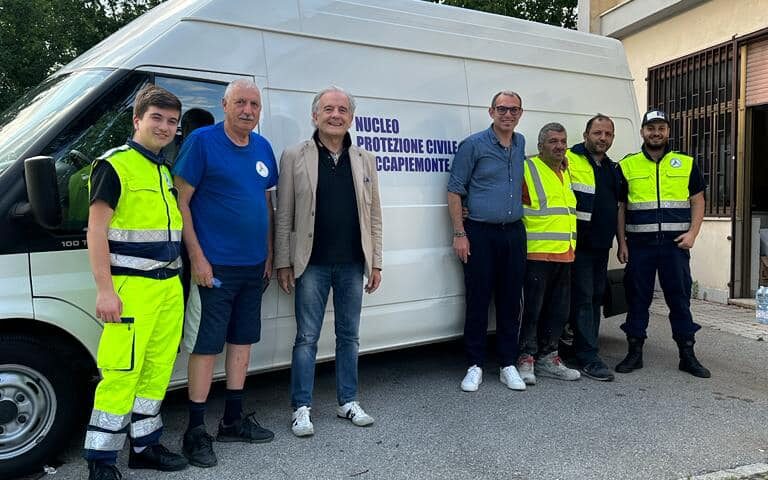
(410, 25)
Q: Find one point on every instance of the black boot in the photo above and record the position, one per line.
(634, 359)
(102, 471)
(688, 361)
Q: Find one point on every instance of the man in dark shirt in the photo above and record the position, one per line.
(487, 177)
(596, 185)
(327, 236)
(660, 215)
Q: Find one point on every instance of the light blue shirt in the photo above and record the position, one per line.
(489, 177)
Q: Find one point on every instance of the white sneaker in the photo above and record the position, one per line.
(550, 365)
(472, 379)
(510, 378)
(525, 369)
(302, 424)
(353, 411)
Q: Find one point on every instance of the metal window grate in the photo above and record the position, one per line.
(696, 92)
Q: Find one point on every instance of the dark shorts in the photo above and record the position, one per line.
(230, 313)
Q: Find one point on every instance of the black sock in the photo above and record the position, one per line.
(233, 406)
(196, 414)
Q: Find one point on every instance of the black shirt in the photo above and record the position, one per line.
(600, 231)
(337, 224)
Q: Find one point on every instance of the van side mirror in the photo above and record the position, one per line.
(43, 191)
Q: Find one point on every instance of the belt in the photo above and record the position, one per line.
(496, 226)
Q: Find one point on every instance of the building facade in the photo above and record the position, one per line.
(705, 62)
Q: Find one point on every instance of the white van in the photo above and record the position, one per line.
(423, 75)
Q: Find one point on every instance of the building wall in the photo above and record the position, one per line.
(711, 260)
(596, 8)
(708, 24)
(704, 25)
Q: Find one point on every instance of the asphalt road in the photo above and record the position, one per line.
(657, 423)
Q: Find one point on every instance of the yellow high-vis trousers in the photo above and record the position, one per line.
(136, 359)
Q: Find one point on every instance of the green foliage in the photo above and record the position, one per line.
(554, 12)
(39, 36)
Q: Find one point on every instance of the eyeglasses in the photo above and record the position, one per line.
(502, 110)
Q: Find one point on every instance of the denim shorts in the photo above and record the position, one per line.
(228, 313)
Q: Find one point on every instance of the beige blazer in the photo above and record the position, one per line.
(296, 197)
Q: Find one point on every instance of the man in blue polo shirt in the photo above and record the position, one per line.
(223, 175)
(487, 177)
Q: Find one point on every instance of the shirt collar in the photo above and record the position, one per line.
(494, 139)
(158, 159)
(581, 149)
(345, 144)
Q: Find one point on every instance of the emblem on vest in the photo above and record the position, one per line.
(167, 179)
(262, 169)
(675, 163)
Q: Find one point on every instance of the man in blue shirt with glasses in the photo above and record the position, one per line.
(486, 179)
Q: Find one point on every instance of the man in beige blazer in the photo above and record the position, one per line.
(327, 236)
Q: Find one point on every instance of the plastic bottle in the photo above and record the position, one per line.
(761, 305)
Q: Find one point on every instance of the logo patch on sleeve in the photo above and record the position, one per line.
(262, 169)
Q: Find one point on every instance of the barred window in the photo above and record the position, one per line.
(696, 91)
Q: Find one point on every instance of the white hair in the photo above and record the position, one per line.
(333, 88)
(240, 82)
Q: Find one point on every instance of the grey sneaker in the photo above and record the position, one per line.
(550, 365)
(525, 369)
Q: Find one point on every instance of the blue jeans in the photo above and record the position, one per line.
(312, 289)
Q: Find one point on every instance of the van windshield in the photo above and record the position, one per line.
(33, 114)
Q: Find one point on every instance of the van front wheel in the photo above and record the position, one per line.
(37, 402)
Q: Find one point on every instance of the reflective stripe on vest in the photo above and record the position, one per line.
(583, 183)
(145, 231)
(550, 220)
(655, 227)
(657, 199)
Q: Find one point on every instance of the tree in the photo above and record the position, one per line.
(554, 12)
(37, 37)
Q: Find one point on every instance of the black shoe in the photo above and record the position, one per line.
(197, 446)
(157, 457)
(689, 363)
(246, 430)
(597, 371)
(102, 471)
(634, 359)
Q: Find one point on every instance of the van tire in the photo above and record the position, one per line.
(38, 410)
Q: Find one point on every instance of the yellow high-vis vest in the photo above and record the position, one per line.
(145, 231)
(583, 183)
(550, 220)
(658, 195)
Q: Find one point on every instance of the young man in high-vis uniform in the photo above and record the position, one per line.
(134, 243)
(596, 186)
(660, 215)
(549, 207)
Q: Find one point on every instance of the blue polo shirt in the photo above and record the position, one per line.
(489, 177)
(229, 208)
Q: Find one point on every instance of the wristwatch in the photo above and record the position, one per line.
(459, 234)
